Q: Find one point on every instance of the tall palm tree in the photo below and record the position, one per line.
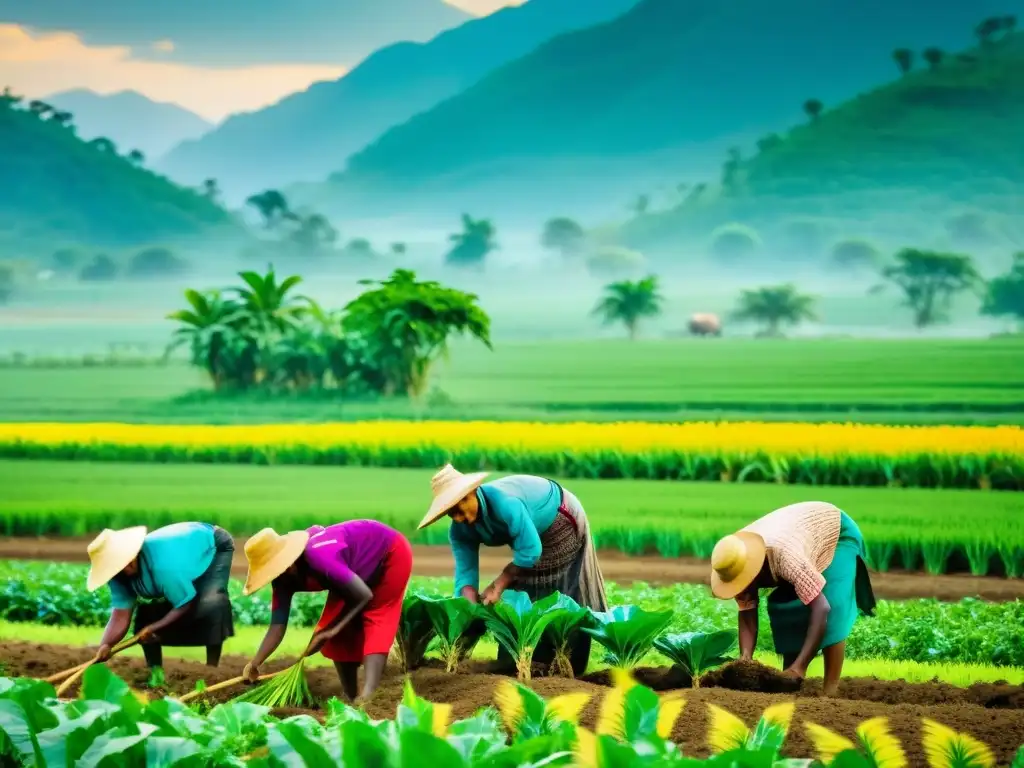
(211, 327)
(775, 306)
(628, 301)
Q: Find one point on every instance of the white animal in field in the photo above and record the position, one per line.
(705, 324)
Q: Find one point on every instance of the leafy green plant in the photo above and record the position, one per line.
(518, 625)
(697, 652)
(415, 632)
(451, 617)
(627, 633)
(568, 618)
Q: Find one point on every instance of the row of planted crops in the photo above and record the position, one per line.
(112, 725)
(966, 632)
(813, 454)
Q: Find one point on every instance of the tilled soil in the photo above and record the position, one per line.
(991, 712)
(616, 567)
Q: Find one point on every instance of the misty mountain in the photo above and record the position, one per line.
(64, 190)
(236, 33)
(589, 113)
(933, 157)
(308, 135)
(130, 120)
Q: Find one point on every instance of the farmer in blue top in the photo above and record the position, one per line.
(542, 522)
(180, 574)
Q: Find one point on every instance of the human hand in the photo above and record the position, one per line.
(492, 594)
(794, 673)
(104, 652)
(251, 673)
(148, 635)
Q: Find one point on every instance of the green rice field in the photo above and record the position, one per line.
(926, 381)
(934, 530)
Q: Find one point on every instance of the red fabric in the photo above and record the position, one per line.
(374, 630)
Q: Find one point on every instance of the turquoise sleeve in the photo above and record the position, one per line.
(526, 547)
(121, 598)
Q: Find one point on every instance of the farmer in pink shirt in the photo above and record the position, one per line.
(363, 565)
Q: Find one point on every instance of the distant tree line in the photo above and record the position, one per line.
(928, 281)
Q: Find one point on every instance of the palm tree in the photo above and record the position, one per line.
(471, 246)
(775, 306)
(270, 308)
(211, 326)
(629, 301)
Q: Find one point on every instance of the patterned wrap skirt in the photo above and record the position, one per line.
(847, 589)
(209, 620)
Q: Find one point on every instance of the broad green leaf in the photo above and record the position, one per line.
(18, 730)
(108, 749)
(165, 752)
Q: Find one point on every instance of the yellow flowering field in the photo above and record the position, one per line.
(833, 454)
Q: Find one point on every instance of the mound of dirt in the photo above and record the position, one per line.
(743, 675)
(992, 713)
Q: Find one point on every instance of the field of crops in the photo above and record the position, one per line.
(947, 381)
(938, 531)
(812, 454)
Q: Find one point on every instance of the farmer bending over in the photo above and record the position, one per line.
(812, 555)
(180, 572)
(543, 523)
(364, 566)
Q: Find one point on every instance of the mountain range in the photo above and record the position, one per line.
(68, 191)
(130, 120)
(585, 114)
(308, 135)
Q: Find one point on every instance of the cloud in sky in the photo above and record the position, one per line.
(482, 7)
(38, 64)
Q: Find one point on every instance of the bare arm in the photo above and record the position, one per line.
(171, 617)
(508, 576)
(117, 627)
(271, 640)
(816, 626)
(748, 633)
(356, 594)
(471, 594)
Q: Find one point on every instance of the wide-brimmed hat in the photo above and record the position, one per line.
(449, 486)
(735, 563)
(110, 553)
(269, 555)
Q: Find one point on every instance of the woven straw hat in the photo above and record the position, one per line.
(449, 486)
(269, 555)
(110, 553)
(735, 563)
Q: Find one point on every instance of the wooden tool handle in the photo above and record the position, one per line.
(76, 671)
(221, 686)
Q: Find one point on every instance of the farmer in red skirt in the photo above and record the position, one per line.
(363, 565)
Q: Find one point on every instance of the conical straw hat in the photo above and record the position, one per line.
(110, 553)
(735, 563)
(269, 555)
(449, 486)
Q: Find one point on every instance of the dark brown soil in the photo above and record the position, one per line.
(616, 566)
(750, 676)
(992, 713)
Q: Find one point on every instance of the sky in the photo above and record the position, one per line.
(203, 56)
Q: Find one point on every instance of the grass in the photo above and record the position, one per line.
(926, 381)
(75, 498)
(247, 639)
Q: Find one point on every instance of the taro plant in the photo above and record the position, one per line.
(518, 625)
(527, 716)
(697, 652)
(568, 618)
(727, 733)
(632, 721)
(451, 617)
(627, 633)
(415, 632)
(875, 746)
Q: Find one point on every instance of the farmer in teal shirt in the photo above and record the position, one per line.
(180, 574)
(543, 523)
